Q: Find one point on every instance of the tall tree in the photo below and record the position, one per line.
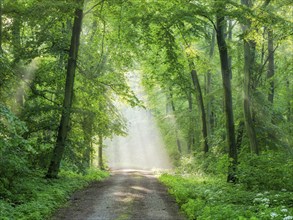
(208, 89)
(226, 78)
(68, 95)
(271, 65)
(249, 66)
(199, 98)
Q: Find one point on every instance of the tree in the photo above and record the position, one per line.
(199, 97)
(226, 78)
(68, 96)
(249, 67)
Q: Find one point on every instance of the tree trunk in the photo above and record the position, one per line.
(249, 64)
(249, 54)
(226, 73)
(191, 140)
(210, 122)
(176, 129)
(87, 127)
(101, 163)
(271, 65)
(201, 108)
(230, 39)
(67, 103)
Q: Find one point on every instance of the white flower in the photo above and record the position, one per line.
(284, 210)
(273, 214)
(259, 194)
(289, 217)
(265, 200)
(284, 190)
(257, 200)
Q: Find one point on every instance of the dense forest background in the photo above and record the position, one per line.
(218, 76)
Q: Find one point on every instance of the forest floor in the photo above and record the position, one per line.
(126, 195)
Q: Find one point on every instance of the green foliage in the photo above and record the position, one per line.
(34, 197)
(210, 198)
(271, 170)
(14, 149)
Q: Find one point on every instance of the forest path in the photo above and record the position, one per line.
(126, 195)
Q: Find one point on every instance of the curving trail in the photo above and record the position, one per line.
(126, 195)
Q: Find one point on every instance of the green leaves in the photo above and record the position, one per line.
(210, 198)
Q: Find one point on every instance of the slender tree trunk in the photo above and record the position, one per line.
(191, 140)
(87, 127)
(65, 117)
(101, 163)
(176, 129)
(210, 124)
(271, 65)
(249, 54)
(226, 73)
(249, 64)
(202, 109)
(230, 39)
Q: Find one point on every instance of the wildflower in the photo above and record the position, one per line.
(273, 214)
(284, 210)
(289, 217)
(259, 194)
(256, 200)
(265, 200)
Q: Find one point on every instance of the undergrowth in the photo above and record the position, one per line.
(203, 198)
(264, 189)
(34, 197)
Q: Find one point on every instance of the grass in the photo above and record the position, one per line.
(34, 197)
(205, 198)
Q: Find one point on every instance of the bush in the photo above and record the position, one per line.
(270, 171)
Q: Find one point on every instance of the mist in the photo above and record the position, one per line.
(143, 147)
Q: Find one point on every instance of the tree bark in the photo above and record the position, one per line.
(226, 73)
(199, 98)
(191, 140)
(249, 54)
(271, 66)
(67, 103)
(101, 163)
(176, 129)
(210, 121)
(87, 127)
(249, 64)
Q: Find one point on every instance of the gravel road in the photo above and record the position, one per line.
(126, 195)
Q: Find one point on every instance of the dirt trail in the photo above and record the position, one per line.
(126, 195)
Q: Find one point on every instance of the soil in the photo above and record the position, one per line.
(125, 195)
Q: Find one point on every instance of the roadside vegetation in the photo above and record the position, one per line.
(206, 195)
(32, 197)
